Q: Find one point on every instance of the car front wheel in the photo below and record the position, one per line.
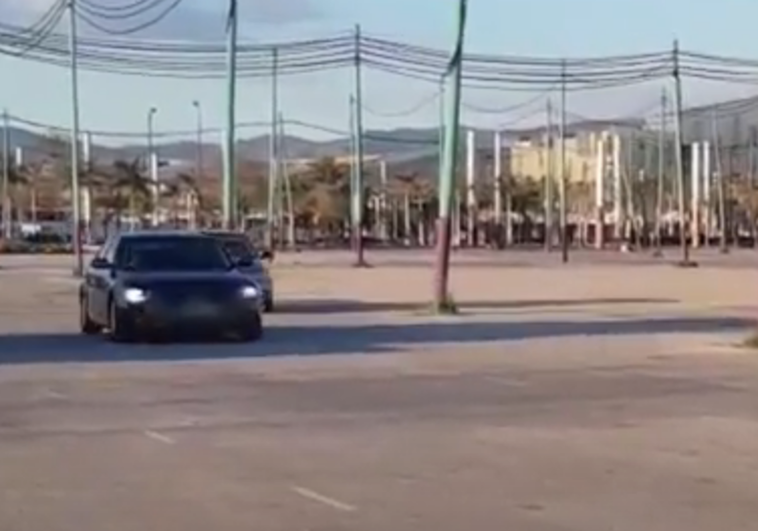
(120, 329)
(253, 331)
(86, 324)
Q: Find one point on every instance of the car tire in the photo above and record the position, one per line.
(253, 331)
(268, 304)
(87, 326)
(119, 329)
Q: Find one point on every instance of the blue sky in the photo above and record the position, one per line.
(534, 27)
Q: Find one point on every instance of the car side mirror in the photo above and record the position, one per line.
(266, 255)
(244, 262)
(100, 264)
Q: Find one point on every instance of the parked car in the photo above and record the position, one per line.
(240, 248)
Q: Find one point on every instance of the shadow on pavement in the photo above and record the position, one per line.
(361, 339)
(328, 306)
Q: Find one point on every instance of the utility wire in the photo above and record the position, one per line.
(116, 12)
(421, 59)
(170, 7)
(510, 108)
(142, 58)
(508, 125)
(416, 107)
(40, 29)
(407, 59)
(44, 27)
(42, 22)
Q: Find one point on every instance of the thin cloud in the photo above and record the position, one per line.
(198, 20)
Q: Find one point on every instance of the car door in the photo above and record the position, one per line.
(99, 281)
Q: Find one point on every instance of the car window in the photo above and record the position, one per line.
(239, 249)
(172, 254)
(107, 250)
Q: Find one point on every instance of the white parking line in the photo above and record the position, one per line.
(504, 380)
(165, 439)
(62, 281)
(326, 500)
(54, 395)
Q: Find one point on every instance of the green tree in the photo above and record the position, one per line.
(130, 183)
(321, 194)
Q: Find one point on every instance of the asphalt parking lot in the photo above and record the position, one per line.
(583, 398)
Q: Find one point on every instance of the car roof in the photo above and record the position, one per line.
(224, 233)
(152, 234)
(227, 235)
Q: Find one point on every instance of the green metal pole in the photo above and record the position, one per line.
(76, 222)
(679, 161)
(230, 185)
(285, 174)
(721, 192)
(661, 178)
(7, 218)
(549, 177)
(152, 166)
(273, 161)
(357, 231)
(449, 164)
(354, 199)
(441, 140)
(562, 175)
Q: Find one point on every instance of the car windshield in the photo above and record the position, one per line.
(174, 254)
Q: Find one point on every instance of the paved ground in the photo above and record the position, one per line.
(577, 398)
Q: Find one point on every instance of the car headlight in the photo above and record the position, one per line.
(249, 292)
(135, 295)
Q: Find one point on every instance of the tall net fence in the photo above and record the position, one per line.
(595, 136)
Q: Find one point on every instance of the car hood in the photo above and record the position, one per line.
(254, 270)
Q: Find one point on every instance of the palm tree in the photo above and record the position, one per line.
(184, 192)
(527, 199)
(18, 179)
(745, 194)
(94, 183)
(411, 188)
(321, 194)
(131, 183)
(187, 187)
(580, 198)
(506, 189)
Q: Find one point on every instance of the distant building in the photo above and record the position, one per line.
(732, 125)
(530, 154)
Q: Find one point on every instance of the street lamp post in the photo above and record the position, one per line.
(76, 222)
(199, 152)
(152, 163)
(230, 185)
(199, 139)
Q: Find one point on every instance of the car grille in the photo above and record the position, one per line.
(184, 293)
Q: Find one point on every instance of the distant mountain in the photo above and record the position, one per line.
(396, 144)
(388, 144)
(407, 149)
(736, 119)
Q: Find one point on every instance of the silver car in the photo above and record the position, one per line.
(241, 249)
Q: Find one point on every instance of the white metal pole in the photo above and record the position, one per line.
(707, 179)
(600, 172)
(156, 188)
(618, 206)
(470, 192)
(695, 187)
